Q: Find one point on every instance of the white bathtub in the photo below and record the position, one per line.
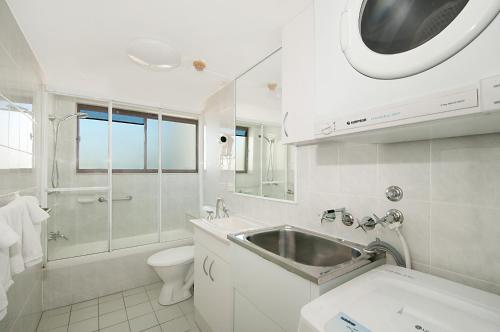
(87, 276)
(60, 249)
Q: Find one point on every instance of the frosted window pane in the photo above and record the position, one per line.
(93, 147)
(178, 146)
(152, 139)
(128, 146)
(241, 153)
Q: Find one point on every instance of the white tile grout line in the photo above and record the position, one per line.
(185, 315)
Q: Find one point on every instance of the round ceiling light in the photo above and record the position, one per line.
(153, 54)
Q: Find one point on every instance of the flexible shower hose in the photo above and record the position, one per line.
(381, 246)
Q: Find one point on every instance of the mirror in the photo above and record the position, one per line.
(264, 166)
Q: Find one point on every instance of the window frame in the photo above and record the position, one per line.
(82, 107)
(246, 129)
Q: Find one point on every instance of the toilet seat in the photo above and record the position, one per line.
(172, 256)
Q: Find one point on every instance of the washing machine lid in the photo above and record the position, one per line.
(172, 256)
(390, 39)
(394, 299)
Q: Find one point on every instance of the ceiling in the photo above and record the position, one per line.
(81, 45)
(255, 101)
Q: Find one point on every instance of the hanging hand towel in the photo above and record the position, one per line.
(28, 250)
(7, 239)
(3, 302)
(15, 213)
(32, 248)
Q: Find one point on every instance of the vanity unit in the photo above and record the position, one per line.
(276, 271)
(213, 298)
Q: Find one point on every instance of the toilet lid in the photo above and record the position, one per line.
(172, 256)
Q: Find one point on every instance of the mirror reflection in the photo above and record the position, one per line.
(264, 166)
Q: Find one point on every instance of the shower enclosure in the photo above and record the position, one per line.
(118, 176)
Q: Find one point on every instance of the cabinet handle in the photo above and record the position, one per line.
(210, 271)
(284, 124)
(204, 268)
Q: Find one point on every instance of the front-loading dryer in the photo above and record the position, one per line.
(382, 63)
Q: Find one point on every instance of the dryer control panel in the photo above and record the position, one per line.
(427, 108)
(490, 94)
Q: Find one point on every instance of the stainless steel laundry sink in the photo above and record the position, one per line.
(313, 256)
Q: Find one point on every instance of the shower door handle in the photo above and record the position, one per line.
(204, 268)
(210, 271)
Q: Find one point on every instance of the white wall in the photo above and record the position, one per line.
(451, 202)
(20, 82)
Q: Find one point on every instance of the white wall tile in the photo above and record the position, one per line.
(451, 197)
(323, 168)
(466, 170)
(408, 166)
(465, 240)
(358, 169)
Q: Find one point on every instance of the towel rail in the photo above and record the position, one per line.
(103, 199)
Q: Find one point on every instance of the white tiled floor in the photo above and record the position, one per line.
(133, 310)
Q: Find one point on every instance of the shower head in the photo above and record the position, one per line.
(80, 115)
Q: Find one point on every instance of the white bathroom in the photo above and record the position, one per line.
(249, 166)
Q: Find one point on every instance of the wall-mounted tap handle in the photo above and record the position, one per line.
(225, 210)
(328, 215)
(360, 225)
(380, 221)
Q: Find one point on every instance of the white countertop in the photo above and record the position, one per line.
(220, 228)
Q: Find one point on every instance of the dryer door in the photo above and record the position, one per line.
(390, 39)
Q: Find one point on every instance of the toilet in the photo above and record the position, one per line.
(175, 268)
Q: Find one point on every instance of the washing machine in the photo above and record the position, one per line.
(395, 299)
(388, 62)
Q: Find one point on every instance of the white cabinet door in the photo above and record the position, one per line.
(298, 78)
(274, 292)
(202, 299)
(213, 290)
(249, 319)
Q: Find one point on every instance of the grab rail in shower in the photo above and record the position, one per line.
(102, 199)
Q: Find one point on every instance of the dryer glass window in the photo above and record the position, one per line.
(396, 26)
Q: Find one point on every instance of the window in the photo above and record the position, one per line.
(135, 142)
(241, 148)
(16, 135)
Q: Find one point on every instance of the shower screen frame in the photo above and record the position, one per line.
(160, 114)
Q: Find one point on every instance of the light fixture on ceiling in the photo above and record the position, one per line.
(153, 54)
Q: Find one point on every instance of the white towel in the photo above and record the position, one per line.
(3, 302)
(15, 214)
(7, 236)
(28, 250)
(36, 213)
(7, 239)
(20, 244)
(32, 250)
